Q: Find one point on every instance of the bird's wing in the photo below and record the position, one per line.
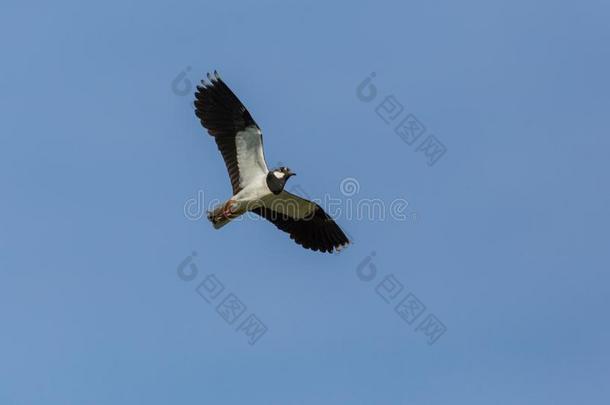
(304, 220)
(239, 139)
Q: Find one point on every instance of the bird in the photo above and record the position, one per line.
(256, 188)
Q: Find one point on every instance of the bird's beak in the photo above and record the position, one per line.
(291, 174)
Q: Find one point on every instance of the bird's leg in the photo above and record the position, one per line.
(223, 212)
(226, 211)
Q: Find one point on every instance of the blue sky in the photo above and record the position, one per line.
(505, 243)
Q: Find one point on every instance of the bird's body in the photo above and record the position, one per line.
(255, 187)
(249, 198)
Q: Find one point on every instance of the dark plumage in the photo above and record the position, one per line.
(223, 115)
(317, 232)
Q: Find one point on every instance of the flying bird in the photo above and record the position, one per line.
(256, 188)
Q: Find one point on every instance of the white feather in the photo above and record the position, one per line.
(250, 157)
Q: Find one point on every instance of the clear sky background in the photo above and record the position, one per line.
(505, 242)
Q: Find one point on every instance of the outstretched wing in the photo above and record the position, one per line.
(239, 139)
(305, 221)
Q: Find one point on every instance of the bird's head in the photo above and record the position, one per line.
(277, 178)
(283, 173)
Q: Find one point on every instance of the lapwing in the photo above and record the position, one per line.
(256, 188)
